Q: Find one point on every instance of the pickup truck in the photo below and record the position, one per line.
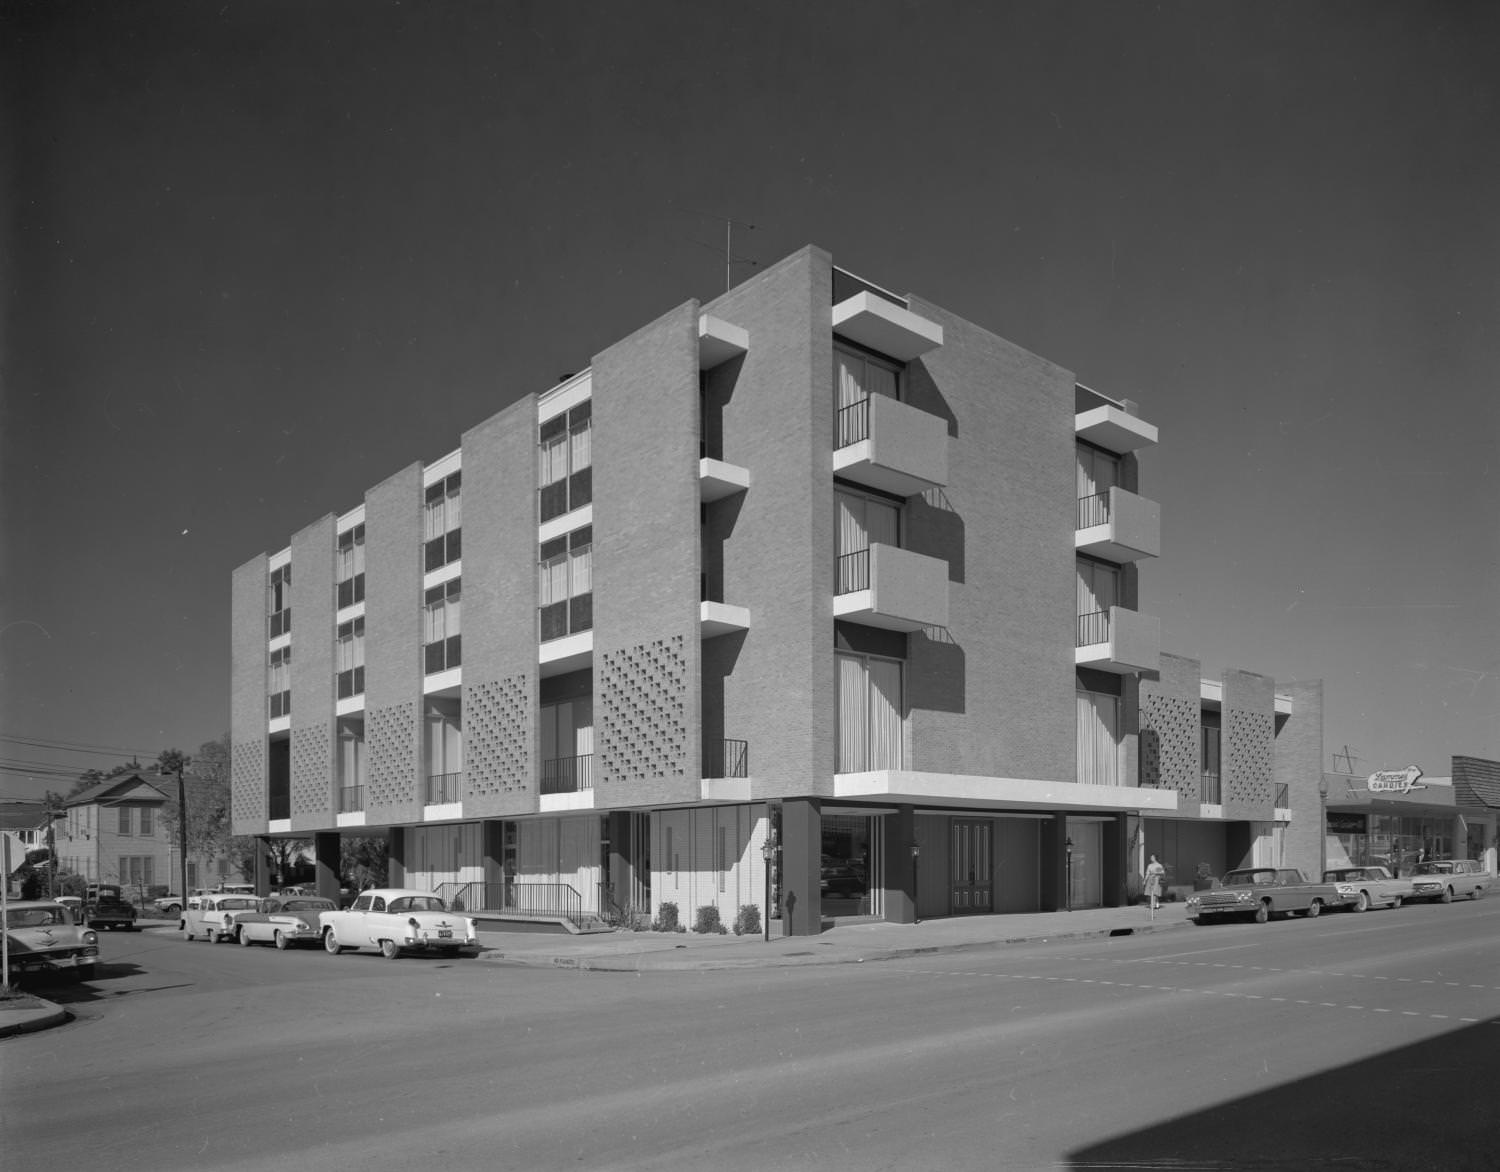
(106, 907)
(1261, 894)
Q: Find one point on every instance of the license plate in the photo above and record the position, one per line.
(444, 934)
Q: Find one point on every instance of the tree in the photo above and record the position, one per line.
(207, 799)
(363, 862)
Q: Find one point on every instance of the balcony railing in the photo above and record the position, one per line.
(1093, 510)
(1208, 788)
(568, 775)
(853, 572)
(443, 788)
(727, 759)
(1283, 797)
(351, 799)
(1093, 628)
(852, 424)
(514, 899)
(279, 807)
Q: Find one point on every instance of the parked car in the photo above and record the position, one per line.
(1261, 894)
(43, 937)
(1361, 888)
(74, 904)
(213, 916)
(395, 919)
(284, 920)
(107, 907)
(1446, 879)
(168, 905)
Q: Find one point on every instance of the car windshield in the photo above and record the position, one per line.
(307, 905)
(417, 903)
(235, 905)
(1434, 868)
(1249, 878)
(35, 917)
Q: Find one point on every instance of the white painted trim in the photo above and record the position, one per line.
(445, 573)
(355, 516)
(561, 803)
(439, 681)
(282, 557)
(352, 818)
(444, 812)
(279, 724)
(997, 793)
(441, 467)
(724, 789)
(279, 826)
(560, 526)
(350, 705)
(569, 393)
(349, 614)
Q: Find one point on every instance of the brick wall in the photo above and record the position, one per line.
(247, 696)
(313, 733)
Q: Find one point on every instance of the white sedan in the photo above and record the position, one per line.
(284, 920)
(396, 919)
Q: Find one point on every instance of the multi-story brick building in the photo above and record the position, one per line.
(811, 566)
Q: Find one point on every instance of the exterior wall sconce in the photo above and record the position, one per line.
(1068, 891)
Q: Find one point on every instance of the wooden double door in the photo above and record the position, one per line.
(971, 866)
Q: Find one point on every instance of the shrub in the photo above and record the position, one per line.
(747, 923)
(708, 921)
(666, 919)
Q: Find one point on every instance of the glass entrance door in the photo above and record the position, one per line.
(973, 866)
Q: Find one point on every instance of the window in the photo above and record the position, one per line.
(124, 816)
(350, 658)
(566, 585)
(1098, 738)
(349, 567)
(1209, 759)
(856, 377)
(861, 522)
(443, 749)
(137, 871)
(871, 735)
(351, 766)
(280, 603)
(441, 522)
(146, 827)
(1098, 590)
(441, 627)
(565, 472)
(1098, 472)
(281, 682)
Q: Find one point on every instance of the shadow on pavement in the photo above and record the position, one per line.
(1429, 1105)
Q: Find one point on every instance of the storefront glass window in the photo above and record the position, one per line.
(847, 856)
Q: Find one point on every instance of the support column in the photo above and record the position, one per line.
(327, 858)
(801, 866)
(899, 880)
(396, 857)
(1116, 861)
(262, 876)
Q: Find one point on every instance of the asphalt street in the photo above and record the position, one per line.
(1352, 1041)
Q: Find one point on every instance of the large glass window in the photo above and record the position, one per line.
(857, 376)
(565, 472)
(1098, 738)
(1209, 788)
(280, 603)
(862, 521)
(871, 732)
(441, 627)
(280, 686)
(351, 766)
(350, 658)
(565, 588)
(567, 744)
(441, 522)
(444, 750)
(349, 566)
(848, 859)
(1098, 590)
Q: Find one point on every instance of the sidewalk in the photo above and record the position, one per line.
(29, 1013)
(639, 952)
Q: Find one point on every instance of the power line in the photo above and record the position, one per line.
(73, 747)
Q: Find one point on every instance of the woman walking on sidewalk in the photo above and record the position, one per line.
(1156, 878)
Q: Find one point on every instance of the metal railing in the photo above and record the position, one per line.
(1093, 510)
(443, 788)
(1093, 628)
(727, 759)
(515, 899)
(852, 423)
(351, 799)
(1283, 797)
(1208, 788)
(853, 572)
(568, 775)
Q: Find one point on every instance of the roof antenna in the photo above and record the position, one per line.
(729, 258)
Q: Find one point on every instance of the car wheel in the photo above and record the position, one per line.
(389, 950)
(1362, 904)
(1395, 901)
(331, 943)
(173, 910)
(243, 937)
(1447, 896)
(1262, 912)
(281, 940)
(1315, 909)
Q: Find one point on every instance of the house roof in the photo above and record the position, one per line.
(114, 789)
(1476, 782)
(22, 816)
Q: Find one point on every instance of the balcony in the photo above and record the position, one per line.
(885, 327)
(719, 341)
(1113, 430)
(895, 589)
(717, 479)
(1118, 640)
(443, 788)
(568, 775)
(1118, 526)
(351, 799)
(889, 445)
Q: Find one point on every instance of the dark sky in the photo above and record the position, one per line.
(259, 256)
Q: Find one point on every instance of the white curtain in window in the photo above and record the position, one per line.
(432, 520)
(880, 380)
(863, 521)
(1097, 471)
(1098, 587)
(434, 629)
(554, 460)
(581, 443)
(344, 659)
(453, 514)
(853, 714)
(1098, 739)
(846, 379)
(553, 586)
(885, 714)
(454, 614)
(582, 569)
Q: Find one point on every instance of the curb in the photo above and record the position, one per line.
(33, 1020)
(670, 963)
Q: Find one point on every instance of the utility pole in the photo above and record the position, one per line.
(173, 761)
